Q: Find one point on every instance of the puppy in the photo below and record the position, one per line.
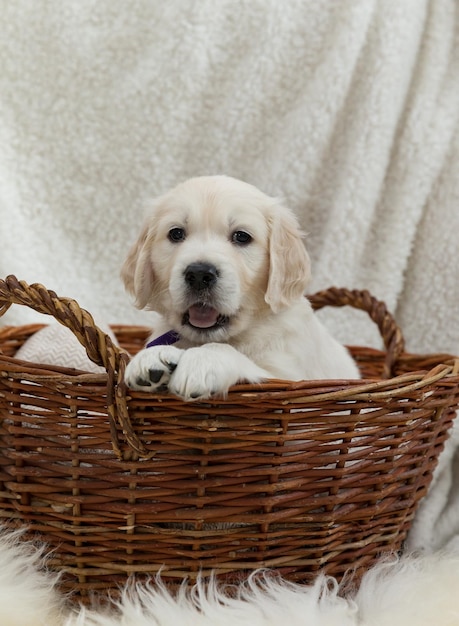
(225, 267)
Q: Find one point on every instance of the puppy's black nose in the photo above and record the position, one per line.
(201, 276)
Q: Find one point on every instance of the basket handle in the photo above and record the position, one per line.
(99, 347)
(390, 332)
(102, 351)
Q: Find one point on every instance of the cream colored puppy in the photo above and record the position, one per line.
(226, 268)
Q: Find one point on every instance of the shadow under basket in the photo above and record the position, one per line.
(299, 477)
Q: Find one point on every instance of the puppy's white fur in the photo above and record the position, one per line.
(264, 327)
(418, 591)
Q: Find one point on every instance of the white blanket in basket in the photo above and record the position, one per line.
(349, 110)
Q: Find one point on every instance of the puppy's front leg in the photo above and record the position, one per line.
(210, 370)
(151, 368)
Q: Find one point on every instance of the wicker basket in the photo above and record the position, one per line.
(300, 477)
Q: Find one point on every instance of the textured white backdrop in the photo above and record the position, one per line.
(349, 110)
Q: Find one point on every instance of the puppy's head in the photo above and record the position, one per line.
(214, 255)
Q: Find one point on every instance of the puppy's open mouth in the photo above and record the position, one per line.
(204, 317)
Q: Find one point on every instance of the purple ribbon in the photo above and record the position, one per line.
(167, 339)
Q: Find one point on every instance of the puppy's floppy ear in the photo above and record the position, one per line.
(289, 265)
(137, 271)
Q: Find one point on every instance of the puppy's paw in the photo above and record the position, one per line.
(151, 369)
(210, 370)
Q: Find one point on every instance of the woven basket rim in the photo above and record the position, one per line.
(449, 366)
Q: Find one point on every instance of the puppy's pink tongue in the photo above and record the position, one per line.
(202, 316)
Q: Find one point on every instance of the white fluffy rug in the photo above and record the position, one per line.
(422, 591)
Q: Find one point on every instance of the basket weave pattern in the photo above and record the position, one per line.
(301, 477)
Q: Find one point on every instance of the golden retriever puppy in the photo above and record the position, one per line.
(225, 267)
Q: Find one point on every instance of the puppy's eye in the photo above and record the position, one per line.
(176, 234)
(241, 237)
